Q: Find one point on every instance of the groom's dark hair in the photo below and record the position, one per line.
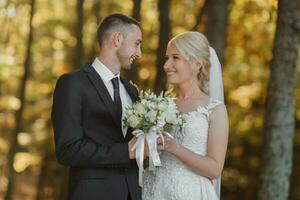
(115, 22)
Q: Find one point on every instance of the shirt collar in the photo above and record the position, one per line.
(103, 71)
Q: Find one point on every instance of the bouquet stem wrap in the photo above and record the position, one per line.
(149, 137)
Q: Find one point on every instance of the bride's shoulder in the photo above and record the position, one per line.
(214, 103)
(217, 109)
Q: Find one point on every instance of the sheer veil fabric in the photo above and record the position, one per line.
(216, 92)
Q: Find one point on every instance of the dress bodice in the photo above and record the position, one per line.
(173, 180)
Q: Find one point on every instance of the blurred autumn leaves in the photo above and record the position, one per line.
(249, 41)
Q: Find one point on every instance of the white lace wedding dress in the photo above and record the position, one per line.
(173, 180)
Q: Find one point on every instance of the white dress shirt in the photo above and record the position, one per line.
(107, 75)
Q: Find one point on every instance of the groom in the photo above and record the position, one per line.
(87, 117)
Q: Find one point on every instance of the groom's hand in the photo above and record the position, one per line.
(131, 143)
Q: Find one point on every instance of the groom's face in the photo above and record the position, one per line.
(130, 48)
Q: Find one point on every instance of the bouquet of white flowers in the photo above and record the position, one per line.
(150, 117)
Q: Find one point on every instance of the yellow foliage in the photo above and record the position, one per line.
(10, 102)
(244, 95)
(57, 45)
(24, 160)
(144, 73)
(4, 146)
(24, 139)
(237, 151)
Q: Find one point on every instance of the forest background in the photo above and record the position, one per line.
(257, 42)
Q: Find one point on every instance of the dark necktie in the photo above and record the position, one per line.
(117, 99)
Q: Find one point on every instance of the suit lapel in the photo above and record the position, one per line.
(105, 96)
(133, 93)
(102, 91)
(131, 90)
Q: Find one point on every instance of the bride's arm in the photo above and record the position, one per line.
(212, 164)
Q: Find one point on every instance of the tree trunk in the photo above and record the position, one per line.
(48, 155)
(164, 36)
(93, 50)
(201, 13)
(132, 74)
(216, 25)
(96, 10)
(136, 11)
(78, 54)
(19, 114)
(43, 174)
(280, 105)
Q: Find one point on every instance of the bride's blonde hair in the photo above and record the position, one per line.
(194, 47)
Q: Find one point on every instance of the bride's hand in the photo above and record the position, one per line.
(170, 145)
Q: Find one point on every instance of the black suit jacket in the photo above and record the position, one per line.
(89, 139)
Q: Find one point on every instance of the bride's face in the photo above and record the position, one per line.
(178, 70)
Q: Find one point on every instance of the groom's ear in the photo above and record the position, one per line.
(117, 39)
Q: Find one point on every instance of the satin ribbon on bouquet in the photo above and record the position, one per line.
(150, 137)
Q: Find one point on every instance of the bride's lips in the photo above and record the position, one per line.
(170, 73)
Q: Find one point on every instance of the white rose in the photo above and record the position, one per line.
(171, 118)
(151, 105)
(133, 121)
(144, 101)
(163, 106)
(139, 109)
(151, 115)
(172, 106)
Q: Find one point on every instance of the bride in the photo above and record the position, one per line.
(193, 161)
